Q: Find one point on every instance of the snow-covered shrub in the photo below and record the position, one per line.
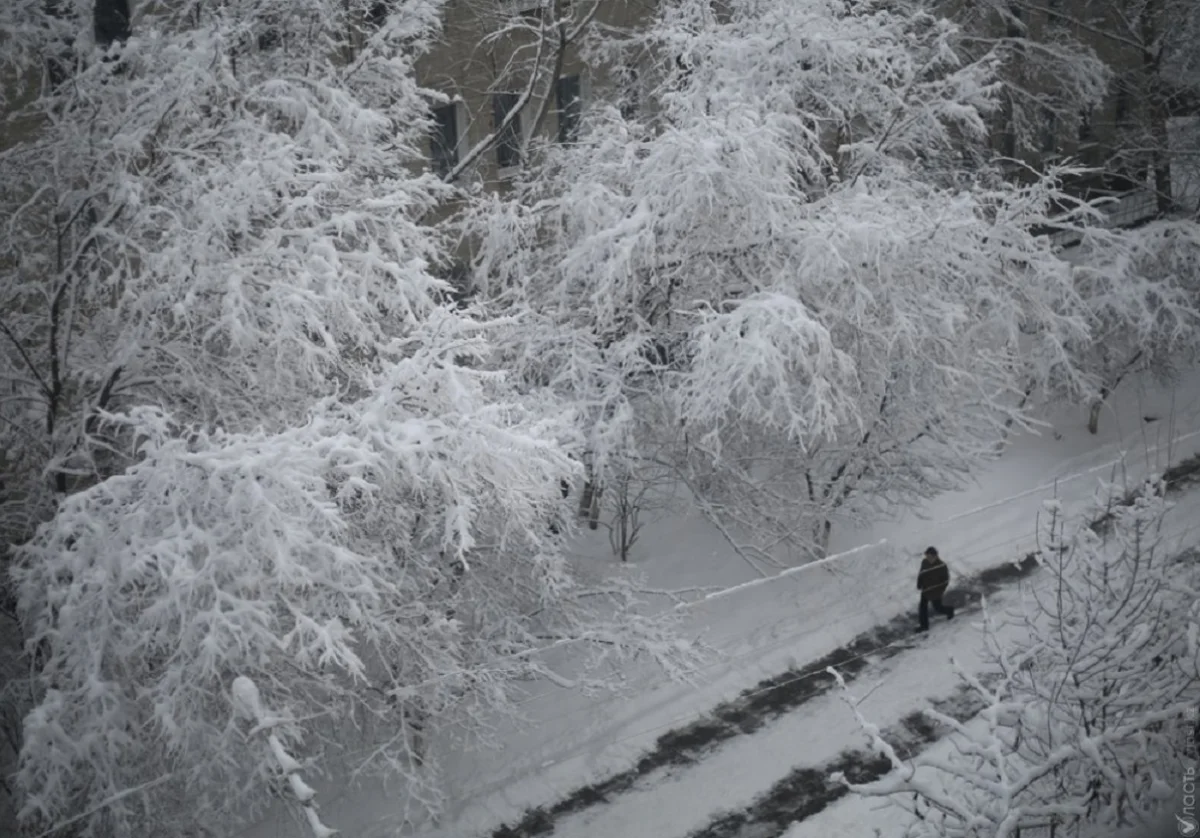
(1087, 702)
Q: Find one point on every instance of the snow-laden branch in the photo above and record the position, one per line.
(247, 703)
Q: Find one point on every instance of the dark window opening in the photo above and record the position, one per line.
(1015, 23)
(685, 70)
(1049, 130)
(570, 108)
(378, 13)
(508, 141)
(270, 37)
(1121, 108)
(1008, 140)
(458, 276)
(443, 144)
(630, 100)
(1085, 126)
(60, 65)
(110, 22)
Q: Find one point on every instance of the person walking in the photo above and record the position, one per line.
(932, 581)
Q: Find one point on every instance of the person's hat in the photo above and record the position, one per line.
(930, 551)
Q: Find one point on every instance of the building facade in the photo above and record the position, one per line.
(505, 95)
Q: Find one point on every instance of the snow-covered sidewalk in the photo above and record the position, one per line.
(723, 795)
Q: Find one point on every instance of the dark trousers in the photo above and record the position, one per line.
(923, 612)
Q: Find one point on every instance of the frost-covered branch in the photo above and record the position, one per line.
(248, 703)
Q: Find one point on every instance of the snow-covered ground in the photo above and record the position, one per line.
(735, 775)
(764, 628)
(858, 817)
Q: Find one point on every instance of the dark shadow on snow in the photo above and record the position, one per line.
(805, 791)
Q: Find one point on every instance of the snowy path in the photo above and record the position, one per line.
(713, 798)
(813, 736)
(769, 700)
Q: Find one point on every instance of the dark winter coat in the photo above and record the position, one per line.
(934, 578)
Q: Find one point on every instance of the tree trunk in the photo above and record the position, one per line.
(1094, 413)
(1152, 28)
(1161, 157)
(589, 499)
(824, 530)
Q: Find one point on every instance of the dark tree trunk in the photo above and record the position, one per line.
(1152, 26)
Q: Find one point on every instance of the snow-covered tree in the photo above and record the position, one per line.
(1089, 692)
(1142, 304)
(243, 436)
(1153, 79)
(783, 254)
(1049, 82)
(500, 65)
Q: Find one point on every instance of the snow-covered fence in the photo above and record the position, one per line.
(1049, 829)
(1127, 209)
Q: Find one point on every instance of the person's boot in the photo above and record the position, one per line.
(950, 612)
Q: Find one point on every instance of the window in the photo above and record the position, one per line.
(1049, 130)
(508, 143)
(1008, 139)
(443, 143)
(630, 100)
(1085, 126)
(685, 70)
(1121, 108)
(570, 108)
(1005, 131)
(377, 13)
(110, 21)
(269, 38)
(1015, 27)
(529, 11)
(458, 276)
